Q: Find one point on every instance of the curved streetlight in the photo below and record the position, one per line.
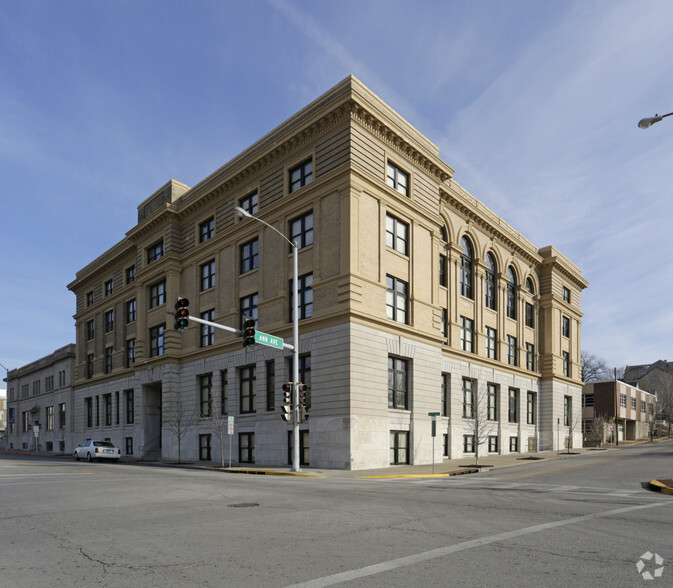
(646, 123)
(242, 213)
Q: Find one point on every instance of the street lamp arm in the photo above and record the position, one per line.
(646, 123)
(242, 213)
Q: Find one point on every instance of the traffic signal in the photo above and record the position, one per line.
(181, 314)
(304, 398)
(286, 413)
(248, 331)
(287, 394)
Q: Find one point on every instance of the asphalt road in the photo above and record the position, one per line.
(581, 521)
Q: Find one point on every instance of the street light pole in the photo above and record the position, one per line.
(242, 213)
(646, 123)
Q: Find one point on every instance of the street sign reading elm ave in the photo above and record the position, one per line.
(270, 340)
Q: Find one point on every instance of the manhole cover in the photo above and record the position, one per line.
(243, 505)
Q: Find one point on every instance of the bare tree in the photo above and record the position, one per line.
(665, 401)
(484, 410)
(598, 426)
(179, 418)
(596, 369)
(219, 424)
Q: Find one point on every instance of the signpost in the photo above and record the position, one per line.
(434, 416)
(230, 432)
(268, 340)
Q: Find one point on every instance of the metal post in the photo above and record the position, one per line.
(295, 353)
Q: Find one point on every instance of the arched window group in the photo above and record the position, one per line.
(490, 287)
(466, 262)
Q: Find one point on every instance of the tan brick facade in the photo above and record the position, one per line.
(381, 276)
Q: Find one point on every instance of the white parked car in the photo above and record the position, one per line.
(100, 450)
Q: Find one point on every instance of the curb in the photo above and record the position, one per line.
(446, 475)
(663, 486)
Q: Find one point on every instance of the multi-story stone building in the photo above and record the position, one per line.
(40, 404)
(413, 298)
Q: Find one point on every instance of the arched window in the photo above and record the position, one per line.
(466, 268)
(490, 290)
(530, 287)
(511, 293)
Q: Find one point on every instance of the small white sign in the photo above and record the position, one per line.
(230, 425)
(36, 429)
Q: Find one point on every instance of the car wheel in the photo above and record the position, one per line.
(76, 456)
(88, 457)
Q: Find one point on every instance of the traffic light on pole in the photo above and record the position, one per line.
(181, 314)
(286, 409)
(248, 331)
(303, 389)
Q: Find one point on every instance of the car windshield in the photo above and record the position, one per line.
(102, 444)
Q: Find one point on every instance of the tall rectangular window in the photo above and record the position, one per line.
(109, 285)
(565, 326)
(271, 385)
(305, 296)
(492, 402)
(130, 274)
(49, 413)
(206, 395)
(108, 360)
(89, 365)
(530, 315)
(567, 410)
(531, 408)
(90, 330)
(206, 229)
(89, 298)
(399, 447)
(109, 320)
(247, 391)
(158, 294)
(443, 270)
(131, 311)
(248, 306)
(491, 343)
(397, 179)
(207, 331)
(301, 175)
(130, 406)
(107, 409)
(397, 235)
(566, 364)
(468, 399)
(223, 392)
(249, 256)
(398, 383)
(246, 448)
(205, 447)
(397, 297)
(130, 352)
(208, 275)
(468, 443)
(157, 340)
(444, 318)
(566, 294)
(250, 203)
(466, 334)
(88, 408)
(511, 350)
(155, 252)
(513, 409)
(301, 230)
(61, 416)
(530, 357)
(446, 394)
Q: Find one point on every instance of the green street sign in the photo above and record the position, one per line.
(433, 414)
(269, 340)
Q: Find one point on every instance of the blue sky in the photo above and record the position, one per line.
(534, 104)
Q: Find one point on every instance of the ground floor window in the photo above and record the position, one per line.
(128, 445)
(246, 448)
(513, 444)
(468, 443)
(493, 444)
(446, 445)
(399, 447)
(304, 450)
(205, 447)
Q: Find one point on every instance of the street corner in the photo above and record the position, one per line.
(664, 486)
